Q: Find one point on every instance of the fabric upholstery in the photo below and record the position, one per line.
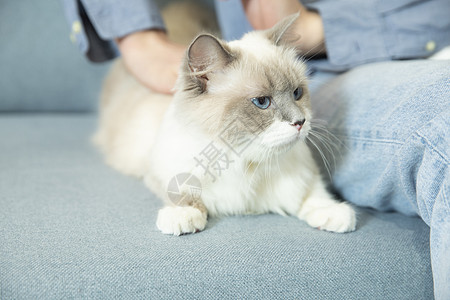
(71, 227)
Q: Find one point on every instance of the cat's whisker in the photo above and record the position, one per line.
(247, 169)
(328, 141)
(255, 171)
(249, 166)
(267, 161)
(269, 169)
(332, 144)
(322, 125)
(314, 48)
(278, 164)
(275, 166)
(204, 121)
(245, 175)
(326, 144)
(305, 55)
(318, 124)
(325, 160)
(266, 166)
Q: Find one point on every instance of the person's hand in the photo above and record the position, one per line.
(152, 59)
(263, 14)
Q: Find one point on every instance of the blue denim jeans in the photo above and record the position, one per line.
(391, 151)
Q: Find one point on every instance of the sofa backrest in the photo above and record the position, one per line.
(40, 69)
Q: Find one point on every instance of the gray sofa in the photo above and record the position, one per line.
(73, 228)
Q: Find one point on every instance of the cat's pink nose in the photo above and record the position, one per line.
(298, 124)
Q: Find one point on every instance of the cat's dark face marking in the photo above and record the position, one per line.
(220, 80)
(274, 79)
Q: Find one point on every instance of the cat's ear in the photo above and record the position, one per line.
(207, 54)
(283, 33)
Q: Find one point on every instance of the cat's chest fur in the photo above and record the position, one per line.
(232, 184)
(261, 186)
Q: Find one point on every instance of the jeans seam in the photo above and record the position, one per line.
(430, 145)
(445, 198)
(378, 141)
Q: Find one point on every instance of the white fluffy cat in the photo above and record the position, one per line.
(230, 141)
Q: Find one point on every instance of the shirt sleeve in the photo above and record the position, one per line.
(359, 32)
(96, 23)
(117, 18)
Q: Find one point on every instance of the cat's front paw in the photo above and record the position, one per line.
(178, 220)
(339, 217)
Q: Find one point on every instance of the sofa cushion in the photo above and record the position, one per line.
(71, 227)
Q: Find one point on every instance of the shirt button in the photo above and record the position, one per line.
(76, 27)
(430, 46)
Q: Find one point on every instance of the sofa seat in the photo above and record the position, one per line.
(72, 227)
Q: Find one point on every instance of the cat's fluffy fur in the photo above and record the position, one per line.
(156, 136)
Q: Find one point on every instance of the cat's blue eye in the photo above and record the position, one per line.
(298, 93)
(262, 102)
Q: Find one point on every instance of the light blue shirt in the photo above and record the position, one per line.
(360, 32)
(356, 32)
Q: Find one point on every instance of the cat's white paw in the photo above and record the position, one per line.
(339, 217)
(177, 220)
